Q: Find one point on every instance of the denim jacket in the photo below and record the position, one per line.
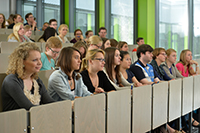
(59, 88)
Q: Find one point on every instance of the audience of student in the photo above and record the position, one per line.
(159, 56)
(114, 43)
(169, 66)
(66, 83)
(22, 88)
(124, 68)
(63, 29)
(143, 71)
(2, 21)
(106, 43)
(102, 32)
(112, 68)
(123, 46)
(49, 32)
(52, 50)
(140, 41)
(82, 47)
(185, 63)
(18, 34)
(45, 25)
(16, 19)
(30, 21)
(28, 32)
(94, 42)
(88, 34)
(93, 76)
(78, 36)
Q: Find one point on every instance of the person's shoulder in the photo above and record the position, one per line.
(179, 64)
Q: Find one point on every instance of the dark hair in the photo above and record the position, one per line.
(143, 49)
(4, 21)
(87, 32)
(102, 28)
(49, 32)
(27, 15)
(15, 16)
(104, 41)
(122, 54)
(52, 20)
(139, 38)
(65, 61)
(113, 43)
(109, 59)
(78, 30)
(121, 44)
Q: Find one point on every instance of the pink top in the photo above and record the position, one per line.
(180, 67)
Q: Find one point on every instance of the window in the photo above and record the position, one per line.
(173, 25)
(85, 15)
(122, 20)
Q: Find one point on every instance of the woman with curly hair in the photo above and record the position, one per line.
(2, 21)
(18, 34)
(21, 87)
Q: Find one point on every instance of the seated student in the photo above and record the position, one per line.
(94, 42)
(16, 19)
(52, 50)
(2, 21)
(22, 88)
(88, 34)
(81, 46)
(185, 63)
(66, 83)
(140, 41)
(114, 43)
(93, 76)
(123, 46)
(159, 56)
(78, 36)
(112, 68)
(49, 32)
(124, 68)
(18, 34)
(106, 43)
(28, 32)
(63, 29)
(184, 66)
(31, 21)
(44, 26)
(141, 69)
(169, 66)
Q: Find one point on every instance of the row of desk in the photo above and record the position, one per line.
(147, 108)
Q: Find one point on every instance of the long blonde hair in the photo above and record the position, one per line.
(90, 55)
(94, 40)
(15, 34)
(16, 59)
(182, 56)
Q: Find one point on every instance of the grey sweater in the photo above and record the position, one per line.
(175, 73)
(13, 95)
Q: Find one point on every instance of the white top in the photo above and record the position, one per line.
(65, 39)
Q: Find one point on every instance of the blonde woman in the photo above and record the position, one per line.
(63, 29)
(2, 21)
(18, 34)
(94, 42)
(22, 88)
(92, 72)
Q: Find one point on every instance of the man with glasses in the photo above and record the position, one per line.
(30, 21)
(52, 50)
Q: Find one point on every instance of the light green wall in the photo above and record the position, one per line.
(101, 13)
(146, 21)
(66, 10)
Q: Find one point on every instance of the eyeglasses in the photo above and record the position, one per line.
(54, 52)
(100, 59)
(99, 47)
